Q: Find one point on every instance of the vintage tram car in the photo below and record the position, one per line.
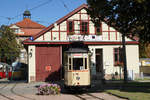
(77, 69)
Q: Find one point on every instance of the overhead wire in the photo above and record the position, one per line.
(65, 6)
(41, 4)
(44, 3)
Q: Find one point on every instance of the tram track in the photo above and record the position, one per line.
(1, 94)
(4, 86)
(12, 91)
(88, 97)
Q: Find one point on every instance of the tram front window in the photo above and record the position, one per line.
(77, 63)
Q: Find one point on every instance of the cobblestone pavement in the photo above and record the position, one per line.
(28, 91)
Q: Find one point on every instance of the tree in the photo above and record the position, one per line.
(9, 48)
(127, 16)
(130, 17)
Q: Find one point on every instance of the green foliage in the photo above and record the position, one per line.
(142, 50)
(9, 48)
(131, 17)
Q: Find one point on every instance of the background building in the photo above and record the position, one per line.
(25, 29)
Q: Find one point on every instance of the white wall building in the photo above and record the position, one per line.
(48, 46)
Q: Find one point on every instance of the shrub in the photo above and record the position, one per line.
(47, 89)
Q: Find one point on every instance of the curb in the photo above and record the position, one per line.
(118, 96)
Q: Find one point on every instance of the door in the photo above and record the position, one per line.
(48, 63)
(99, 61)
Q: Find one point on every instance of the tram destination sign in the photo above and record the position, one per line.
(79, 55)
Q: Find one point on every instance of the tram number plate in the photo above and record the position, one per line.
(77, 78)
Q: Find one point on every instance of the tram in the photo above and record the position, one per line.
(77, 69)
(5, 71)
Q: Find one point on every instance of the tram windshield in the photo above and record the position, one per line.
(78, 64)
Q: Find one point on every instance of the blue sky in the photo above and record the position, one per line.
(44, 12)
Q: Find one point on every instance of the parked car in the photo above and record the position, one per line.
(19, 71)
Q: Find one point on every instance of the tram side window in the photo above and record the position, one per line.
(69, 63)
(86, 63)
(77, 63)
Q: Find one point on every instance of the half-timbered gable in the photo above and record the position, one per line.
(78, 23)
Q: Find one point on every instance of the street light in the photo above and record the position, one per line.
(0, 34)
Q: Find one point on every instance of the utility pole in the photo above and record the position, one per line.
(124, 57)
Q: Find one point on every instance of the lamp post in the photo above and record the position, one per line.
(0, 34)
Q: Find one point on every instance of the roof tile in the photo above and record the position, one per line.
(28, 23)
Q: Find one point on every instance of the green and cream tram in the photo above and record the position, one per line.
(77, 69)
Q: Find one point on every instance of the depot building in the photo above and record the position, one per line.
(46, 49)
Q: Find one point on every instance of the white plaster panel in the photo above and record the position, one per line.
(128, 39)
(55, 36)
(83, 11)
(112, 29)
(133, 58)
(91, 28)
(93, 60)
(39, 38)
(112, 36)
(84, 16)
(104, 27)
(32, 62)
(47, 36)
(56, 28)
(63, 36)
(105, 36)
(74, 17)
(108, 59)
(119, 36)
(77, 27)
(63, 26)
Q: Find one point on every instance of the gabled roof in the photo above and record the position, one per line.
(59, 21)
(28, 23)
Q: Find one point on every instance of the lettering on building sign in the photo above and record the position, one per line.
(48, 68)
(76, 38)
(84, 38)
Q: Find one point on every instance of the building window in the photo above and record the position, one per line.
(16, 30)
(118, 57)
(70, 27)
(84, 27)
(98, 30)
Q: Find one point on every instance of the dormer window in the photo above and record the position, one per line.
(70, 27)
